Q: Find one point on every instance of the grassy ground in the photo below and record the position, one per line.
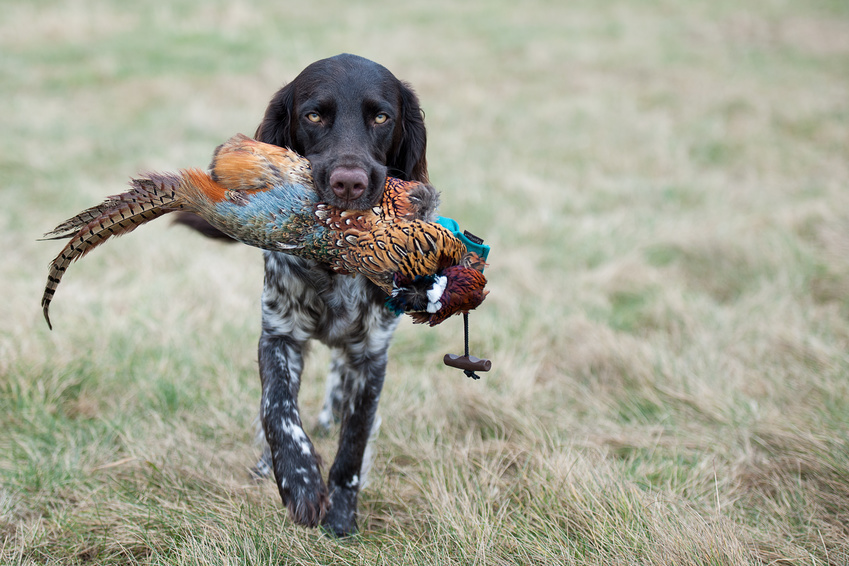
(665, 188)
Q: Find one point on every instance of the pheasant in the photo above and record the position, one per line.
(263, 195)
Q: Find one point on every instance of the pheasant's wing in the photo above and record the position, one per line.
(260, 194)
(424, 268)
(411, 248)
(244, 164)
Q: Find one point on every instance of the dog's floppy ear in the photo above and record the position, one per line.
(276, 125)
(409, 155)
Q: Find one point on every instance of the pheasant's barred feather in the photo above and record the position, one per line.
(411, 248)
(263, 195)
(410, 201)
(119, 214)
(71, 226)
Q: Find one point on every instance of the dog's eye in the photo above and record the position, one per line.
(314, 117)
(381, 118)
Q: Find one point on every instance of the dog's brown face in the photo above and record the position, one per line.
(355, 122)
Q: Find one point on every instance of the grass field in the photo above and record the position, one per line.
(666, 189)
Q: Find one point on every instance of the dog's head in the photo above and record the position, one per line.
(355, 122)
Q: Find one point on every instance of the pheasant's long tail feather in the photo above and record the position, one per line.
(149, 198)
(71, 226)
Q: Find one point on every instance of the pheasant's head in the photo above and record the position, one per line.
(464, 291)
(433, 298)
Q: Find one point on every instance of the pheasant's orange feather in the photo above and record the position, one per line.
(198, 181)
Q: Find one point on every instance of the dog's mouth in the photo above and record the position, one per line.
(350, 187)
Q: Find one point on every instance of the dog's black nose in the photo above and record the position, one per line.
(348, 183)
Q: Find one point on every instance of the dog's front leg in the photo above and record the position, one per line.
(362, 382)
(295, 464)
(362, 392)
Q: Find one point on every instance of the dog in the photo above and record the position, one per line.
(356, 123)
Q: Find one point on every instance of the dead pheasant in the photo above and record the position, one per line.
(263, 195)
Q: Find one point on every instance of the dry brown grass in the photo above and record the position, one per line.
(665, 188)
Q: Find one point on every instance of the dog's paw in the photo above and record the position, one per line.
(301, 488)
(307, 506)
(341, 518)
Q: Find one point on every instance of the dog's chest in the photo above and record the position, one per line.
(304, 300)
